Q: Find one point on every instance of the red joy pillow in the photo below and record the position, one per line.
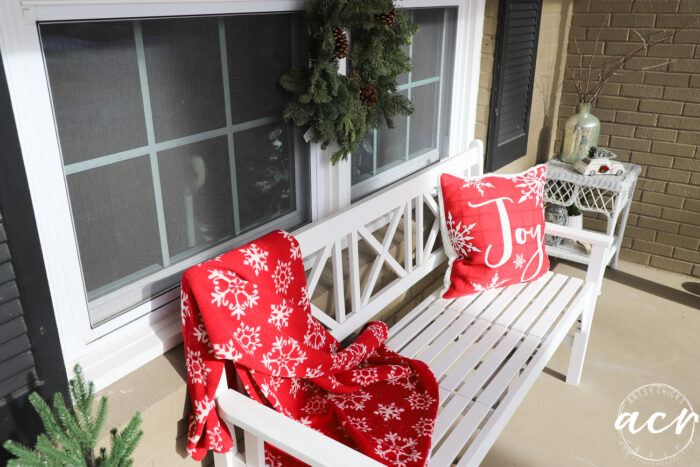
(492, 230)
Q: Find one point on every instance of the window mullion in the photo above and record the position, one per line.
(229, 127)
(409, 92)
(148, 116)
(374, 152)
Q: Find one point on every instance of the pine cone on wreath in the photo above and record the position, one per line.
(368, 95)
(387, 18)
(341, 45)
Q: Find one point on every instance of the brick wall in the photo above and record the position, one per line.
(652, 118)
(549, 72)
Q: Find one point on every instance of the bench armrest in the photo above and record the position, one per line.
(594, 238)
(601, 244)
(261, 423)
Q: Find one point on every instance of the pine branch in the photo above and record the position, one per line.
(25, 457)
(72, 432)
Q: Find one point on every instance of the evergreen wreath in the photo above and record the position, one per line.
(343, 108)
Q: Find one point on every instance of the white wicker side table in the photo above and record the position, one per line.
(610, 195)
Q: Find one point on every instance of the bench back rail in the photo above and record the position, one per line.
(338, 238)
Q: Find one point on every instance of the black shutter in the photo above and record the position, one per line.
(513, 79)
(30, 352)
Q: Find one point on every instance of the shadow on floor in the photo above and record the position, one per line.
(692, 287)
(668, 293)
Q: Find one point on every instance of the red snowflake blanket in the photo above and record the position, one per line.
(250, 306)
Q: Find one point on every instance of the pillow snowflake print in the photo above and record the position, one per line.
(492, 230)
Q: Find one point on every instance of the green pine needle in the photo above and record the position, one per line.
(330, 104)
(71, 433)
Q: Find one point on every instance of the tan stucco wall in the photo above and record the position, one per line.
(549, 71)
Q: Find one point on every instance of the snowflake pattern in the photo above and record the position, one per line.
(279, 315)
(389, 411)
(360, 424)
(255, 323)
(294, 248)
(532, 186)
(185, 311)
(256, 258)
(305, 300)
(406, 382)
(285, 356)
(248, 338)
(494, 284)
(315, 335)
(424, 427)
(314, 372)
(356, 353)
(192, 430)
(459, 236)
(397, 450)
(196, 370)
(216, 441)
(227, 351)
(294, 387)
(315, 405)
(519, 261)
(477, 183)
(420, 401)
(272, 460)
(306, 421)
(202, 408)
(230, 292)
(351, 401)
(282, 276)
(365, 376)
(200, 333)
(379, 332)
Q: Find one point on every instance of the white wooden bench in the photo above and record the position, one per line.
(486, 349)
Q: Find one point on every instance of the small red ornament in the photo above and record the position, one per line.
(604, 169)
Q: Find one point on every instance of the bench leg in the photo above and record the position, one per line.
(578, 348)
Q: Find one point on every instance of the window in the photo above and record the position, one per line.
(77, 93)
(387, 155)
(173, 143)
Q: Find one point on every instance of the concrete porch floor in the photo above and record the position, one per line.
(646, 329)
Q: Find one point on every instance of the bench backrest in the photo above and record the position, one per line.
(338, 238)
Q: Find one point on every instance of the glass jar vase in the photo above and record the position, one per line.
(581, 132)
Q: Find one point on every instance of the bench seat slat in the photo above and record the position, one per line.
(467, 317)
(420, 322)
(531, 313)
(478, 346)
(476, 353)
(497, 420)
(465, 340)
(457, 439)
(403, 322)
(450, 411)
(488, 367)
(554, 310)
(430, 333)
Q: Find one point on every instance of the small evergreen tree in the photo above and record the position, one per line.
(71, 433)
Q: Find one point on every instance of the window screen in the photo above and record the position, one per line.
(173, 143)
(387, 155)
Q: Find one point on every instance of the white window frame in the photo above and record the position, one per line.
(125, 343)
